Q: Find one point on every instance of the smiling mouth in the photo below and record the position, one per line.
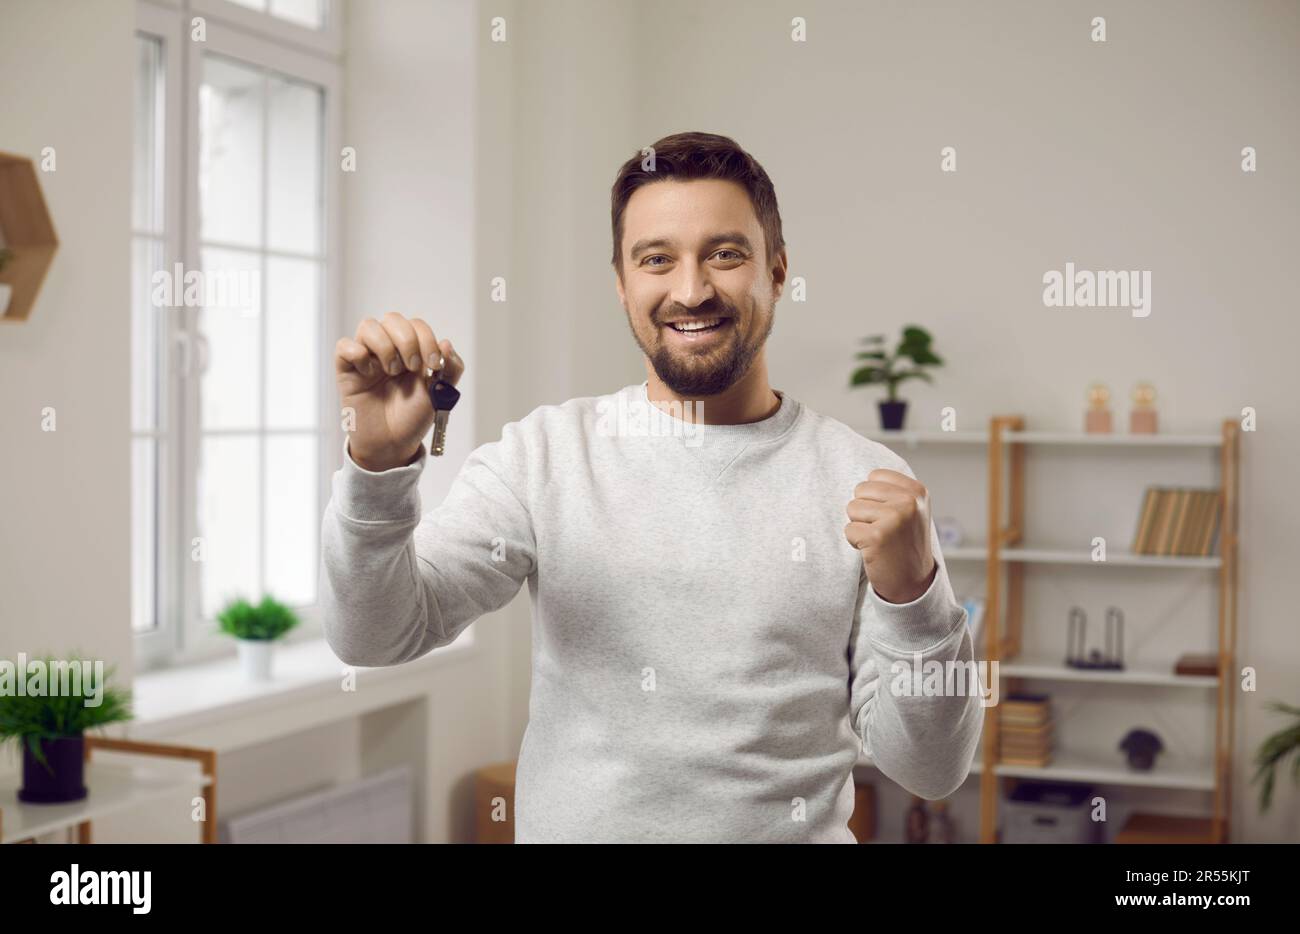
(700, 326)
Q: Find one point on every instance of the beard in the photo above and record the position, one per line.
(707, 373)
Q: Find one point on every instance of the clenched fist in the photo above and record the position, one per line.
(890, 525)
(382, 375)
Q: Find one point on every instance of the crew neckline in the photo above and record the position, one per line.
(765, 429)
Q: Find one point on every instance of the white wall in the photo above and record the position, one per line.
(65, 582)
(1120, 155)
(409, 246)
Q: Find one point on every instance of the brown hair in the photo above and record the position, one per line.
(686, 156)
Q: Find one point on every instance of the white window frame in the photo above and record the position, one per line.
(327, 41)
(232, 31)
(157, 644)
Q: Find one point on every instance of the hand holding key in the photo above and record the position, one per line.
(382, 376)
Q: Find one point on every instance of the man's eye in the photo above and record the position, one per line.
(732, 252)
(656, 256)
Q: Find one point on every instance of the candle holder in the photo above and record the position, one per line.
(1097, 420)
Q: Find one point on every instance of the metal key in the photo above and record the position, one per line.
(444, 397)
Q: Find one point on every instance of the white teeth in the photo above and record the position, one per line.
(695, 325)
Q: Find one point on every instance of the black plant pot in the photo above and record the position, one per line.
(892, 414)
(63, 780)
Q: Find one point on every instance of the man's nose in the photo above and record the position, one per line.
(691, 285)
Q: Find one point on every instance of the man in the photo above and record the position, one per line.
(712, 645)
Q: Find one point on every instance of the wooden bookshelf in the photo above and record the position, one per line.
(1006, 558)
(1004, 620)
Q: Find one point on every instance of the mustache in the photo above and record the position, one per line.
(712, 309)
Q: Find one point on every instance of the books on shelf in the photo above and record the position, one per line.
(1178, 521)
(1025, 728)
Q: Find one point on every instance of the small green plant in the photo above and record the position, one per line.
(1285, 742)
(34, 718)
(268, 620)
(5, 257)
(884, 368)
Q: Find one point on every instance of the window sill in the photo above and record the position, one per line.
(172, 701)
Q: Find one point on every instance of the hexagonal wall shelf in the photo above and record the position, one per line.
(28, 237)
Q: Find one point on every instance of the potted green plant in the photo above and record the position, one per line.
(51, 727)
(256, 627)
(1285, 742)
(883, 368)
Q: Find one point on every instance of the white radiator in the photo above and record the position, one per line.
(377, 809)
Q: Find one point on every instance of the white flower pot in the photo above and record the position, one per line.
(6, 290)
(255, 658)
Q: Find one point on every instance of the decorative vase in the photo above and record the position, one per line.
(255, 658)
(1096, 421)
(63, 780)
(892, 415)
(1142, 417)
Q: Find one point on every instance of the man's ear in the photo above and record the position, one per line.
(618, 286)
(778, 273)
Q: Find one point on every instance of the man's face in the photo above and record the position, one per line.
(694, 253)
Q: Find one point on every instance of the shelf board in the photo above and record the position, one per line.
(1017, 555)
(912, 438)
(1113, 556)
(112, 787)
(1118, 439)
(1169, 772)
(1048, 670)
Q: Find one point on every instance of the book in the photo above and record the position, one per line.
(1177, 501)
(1178, 527)
(1197, 664)
(1036, 762)
(1028, 717)
(1210, 531)
(1143, 532)
(1192, 527)
(1177, 521)
(1159, 523)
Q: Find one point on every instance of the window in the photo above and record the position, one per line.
(309, 13)
(233, 277)
(148, 248)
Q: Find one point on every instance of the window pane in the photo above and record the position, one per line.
(232, 384)
(144, 534)
(293, 357)
(309, 13)
(230, 152)
(292, 519)
(146, 211)
(293, 166)
(146, 324)
(229, 503)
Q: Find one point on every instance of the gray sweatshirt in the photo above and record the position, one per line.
(709, 658)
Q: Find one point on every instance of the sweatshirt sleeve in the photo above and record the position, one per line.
(925, 740)
(395, 585)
